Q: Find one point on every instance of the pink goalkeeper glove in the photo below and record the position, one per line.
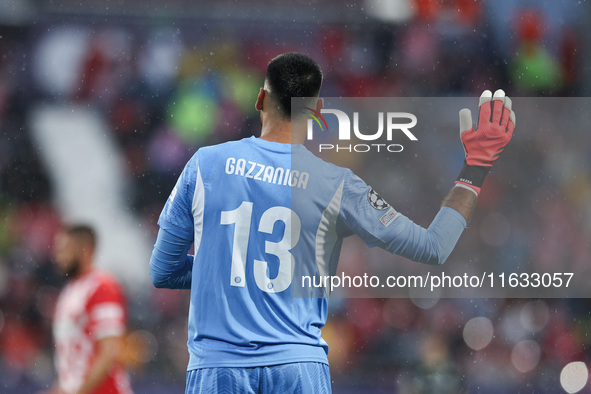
(484, 145)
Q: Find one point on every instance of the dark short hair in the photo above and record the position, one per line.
(82, 233)
(292, 75)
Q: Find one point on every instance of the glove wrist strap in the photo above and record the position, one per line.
(473, 176)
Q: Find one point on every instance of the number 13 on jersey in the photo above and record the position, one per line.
(241, 218)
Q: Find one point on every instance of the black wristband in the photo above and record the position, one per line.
(473, 175)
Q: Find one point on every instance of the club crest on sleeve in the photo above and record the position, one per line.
(376, 201)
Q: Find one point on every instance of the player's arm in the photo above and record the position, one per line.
(461, 200)
(108, 350)
(170, 265)
(432, 245)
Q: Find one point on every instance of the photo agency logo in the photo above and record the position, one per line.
(390, 125)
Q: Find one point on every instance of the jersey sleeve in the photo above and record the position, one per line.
(176, 216)
(366, 214)
(106, 310)
(170, 265)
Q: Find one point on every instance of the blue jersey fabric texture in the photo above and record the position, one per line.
(293, 378)
(259, 214)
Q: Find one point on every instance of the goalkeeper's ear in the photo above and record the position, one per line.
(258, 105)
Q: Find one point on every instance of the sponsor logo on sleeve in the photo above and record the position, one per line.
(389, 217)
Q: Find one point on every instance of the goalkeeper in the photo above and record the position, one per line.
(251, 227)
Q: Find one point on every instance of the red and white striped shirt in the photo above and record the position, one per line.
(89, 308)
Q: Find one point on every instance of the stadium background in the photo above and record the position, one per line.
(102, 103)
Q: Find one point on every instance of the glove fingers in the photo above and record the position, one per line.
(511, 125)
(498, 103)
(508, 103)
(506, 113)
(465, 120)
(484, 107)
(484, 97)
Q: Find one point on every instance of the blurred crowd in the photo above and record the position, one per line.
(165, 88)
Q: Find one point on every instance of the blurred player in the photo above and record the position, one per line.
(259, 209)
(89, 321)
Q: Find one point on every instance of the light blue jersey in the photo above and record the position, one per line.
(260, 214)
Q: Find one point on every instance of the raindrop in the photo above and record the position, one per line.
(525, 356)
(478, 333)
(573, 376)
